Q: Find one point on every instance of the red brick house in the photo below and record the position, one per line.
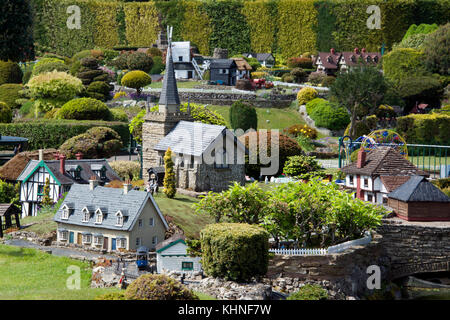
(377, 173)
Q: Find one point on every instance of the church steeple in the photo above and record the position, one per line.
(169, 101)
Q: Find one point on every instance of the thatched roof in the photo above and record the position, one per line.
(11, 170)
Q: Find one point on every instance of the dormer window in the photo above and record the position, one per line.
(98, 216)
(86, 215)
(375, 59)
(65, 213)
(368, 59)
(99, 171)
(74, 172)
(330, 59)
(353, 58)
(119, 219)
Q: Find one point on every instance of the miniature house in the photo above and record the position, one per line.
(419, 200)
(171, 255)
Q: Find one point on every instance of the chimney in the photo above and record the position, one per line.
(41, 154)
(363, 50)
(93, 183)
(356, 50)
(361, 159)
(62, 163)
(56, 156)
(127, 187)
(79, 156)
(332, 51)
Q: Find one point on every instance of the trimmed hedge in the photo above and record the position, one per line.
(425, 128)
(5, 113)
(327, 115)
(243, 116)
(9, 93)
(289, 27)
(234, 251)
(45, 133)
(10, 72)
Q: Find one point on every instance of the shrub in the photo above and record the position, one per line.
(202, 114)
(45, 133)
(419, 29)
(234, 251)
(243, 116)
(82, 54)
(170, 188)
(299, 75)
(136, 80)
(436, 49)
(96, 143)
(9, 193)
(27, 76)
(140, 61)
(85, 109)
(52, 114)
(287, 147)
(154, 52)
(287, 78)
(328, 81)
(309, 292)
(121, 62)
(52, 89)
(158, 287)
(120, 94)
(98, 90)
(302, 130)
(258, 74)
(136, 126)
(10, 72)
(49, 67)
(300, 62)
(420, 89)
(400, 64)
(306, 94)
(415, 41)
(296, 166)
(126, 170)
(118, 115)
(385, 111)
(316, 78)
(9, 93)
(5, 113)
(425, 128)
(312, 104)
(330, 116)
(158, 65)
(111, 296)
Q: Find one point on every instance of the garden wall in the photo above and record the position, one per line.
(289, 27)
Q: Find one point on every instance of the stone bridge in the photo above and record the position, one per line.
(416, 247)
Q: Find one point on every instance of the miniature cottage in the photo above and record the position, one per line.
(243, 68)
(110, 219)
(265, 59)
(419, 200)
(328, 62)
(8, 213)
(62, 174)
(207, 157)
(331, 62)
(181, 51)
(378, 172)
(223, 71)
(171, 255)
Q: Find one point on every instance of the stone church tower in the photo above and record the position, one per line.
(158, 124)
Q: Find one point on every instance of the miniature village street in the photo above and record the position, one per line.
(224, 150)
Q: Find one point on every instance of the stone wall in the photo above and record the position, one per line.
(415, 247)
(346, 271)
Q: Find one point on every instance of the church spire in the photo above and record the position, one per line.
(169, 100)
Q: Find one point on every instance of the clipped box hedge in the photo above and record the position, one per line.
(234, 251)
(45, 133)
(432, 128)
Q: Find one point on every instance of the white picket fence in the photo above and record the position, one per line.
(322, 251)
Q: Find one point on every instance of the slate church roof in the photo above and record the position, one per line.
(384, 161)
(418, 189)
(109, 201)
(169, 92)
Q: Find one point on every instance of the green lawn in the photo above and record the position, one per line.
(278, 118)
(180, 209)
(30, 274)
(42, 223)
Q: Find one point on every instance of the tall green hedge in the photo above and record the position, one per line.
(234, 251)
(288, 27)
(45, 133)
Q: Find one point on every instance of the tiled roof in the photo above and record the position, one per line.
(169, 91)
(109, 201)
(242, 64)
(349, 55)
(393, 182)
(329, 60)
(384, 161)
(190, 138)
(222, 64)
(418, 189)
(86, 165)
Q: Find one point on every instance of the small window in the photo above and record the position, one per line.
(122, 243)
(86, 215)
(366, 183)
(99, 217)
(191, 162)
(98, 240)
(155, 240)
(119, 221)
(370, 198)
(87, 238)
(180, 58)
(40, 190)
(187, 266)
(140, 223)
(152, 222)
(63, 235)
(385, 200)
(65, 214)
(351, 180)
(138, 241)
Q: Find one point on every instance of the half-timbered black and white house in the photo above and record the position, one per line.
(62, 174)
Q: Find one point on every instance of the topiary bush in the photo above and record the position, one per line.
(296, 166)
(309, 292)
(121, 62)
(286, 146)
(243, 116)
(158, 287)
(137, 80)
(118, 115)
(299, 75)
(330, 116)
(5, 113)
(126, 170)
(170, 186)
(53, 89)
(85, 109)
(96, 143)
(400, 64)
(10, 72)
(306, 94)
(316, 78)
(140, 61)
(9, 93)
(300, 62)
(99, 90)
(234, 251)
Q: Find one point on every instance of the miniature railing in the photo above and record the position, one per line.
(322, 251)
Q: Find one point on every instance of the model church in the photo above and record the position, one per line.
(206, 157)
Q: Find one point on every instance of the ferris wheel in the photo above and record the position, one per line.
(387, 138)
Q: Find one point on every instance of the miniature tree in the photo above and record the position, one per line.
(46, 200)
(169, 176)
